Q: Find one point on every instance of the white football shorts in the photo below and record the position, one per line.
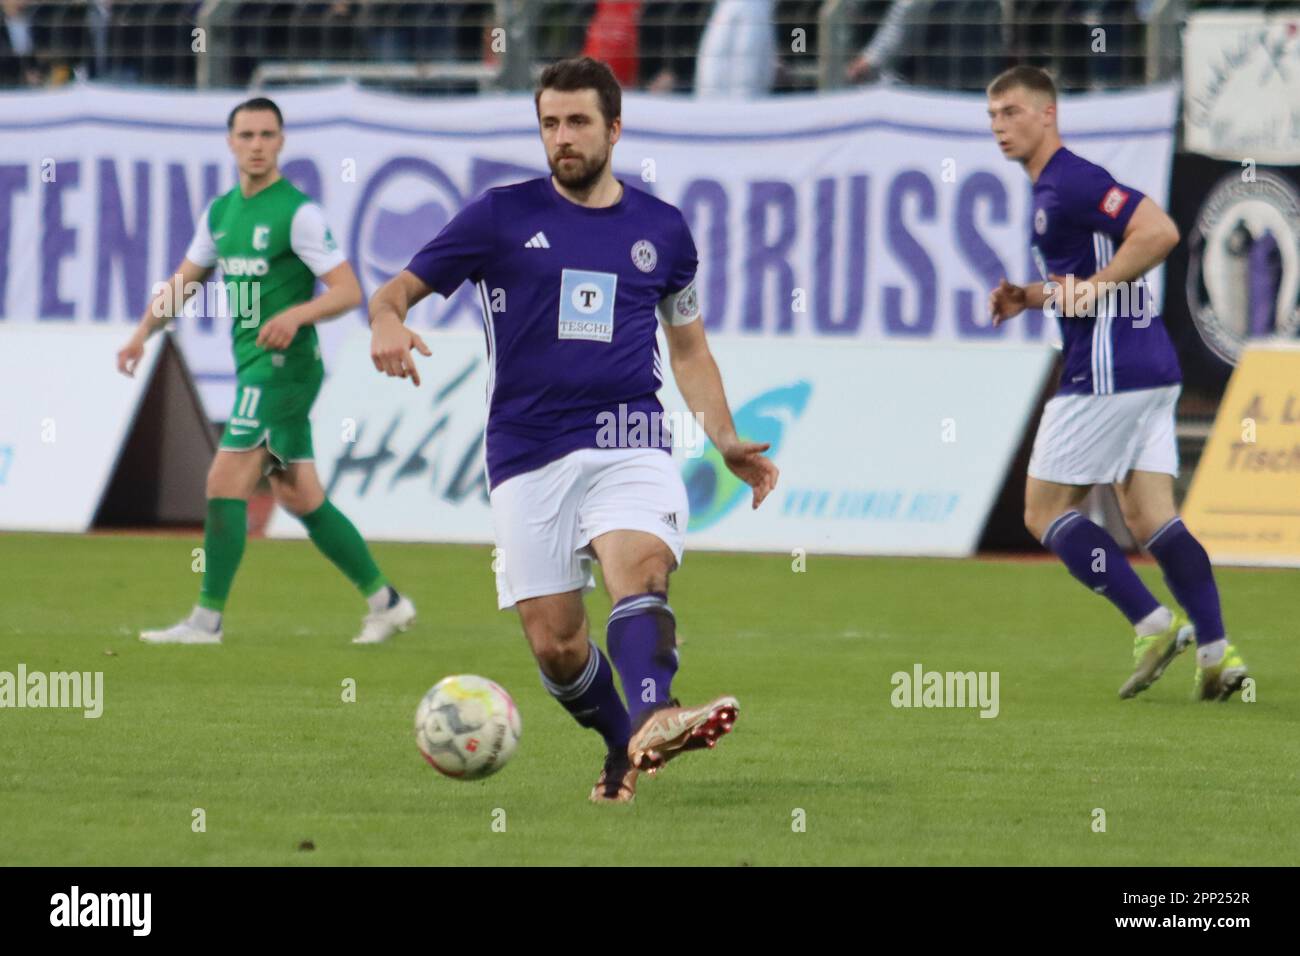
(545, 519)
(1099, 439)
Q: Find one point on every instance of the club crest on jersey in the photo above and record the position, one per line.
(1113, 202)
(261, 237)
(587, 305)
(1040, 221)
(644, 255)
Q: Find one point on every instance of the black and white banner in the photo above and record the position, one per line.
(1235, 277)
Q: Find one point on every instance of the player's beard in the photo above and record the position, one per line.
(585, 176)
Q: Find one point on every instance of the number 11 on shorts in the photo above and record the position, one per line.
(248, 402)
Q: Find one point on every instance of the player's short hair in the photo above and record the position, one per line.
(256, 103)
(1032, 78)
(583, 73)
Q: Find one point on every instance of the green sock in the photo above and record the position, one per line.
(338, 539)
(224, 533)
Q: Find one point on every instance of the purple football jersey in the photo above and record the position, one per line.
(569, 297)
(1080, 214)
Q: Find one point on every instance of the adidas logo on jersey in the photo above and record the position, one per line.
(670, 519)
(537, 242)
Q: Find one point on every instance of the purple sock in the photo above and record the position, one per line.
(642, 639)
(1190, 577)
(593, 700)
(1094, 558)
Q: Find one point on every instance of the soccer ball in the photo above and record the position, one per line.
(467, 727)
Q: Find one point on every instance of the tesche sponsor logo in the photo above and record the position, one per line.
(102, 909)
(922, 688)
(82, 690)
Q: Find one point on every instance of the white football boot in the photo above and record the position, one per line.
(185, 632)
(379, 626)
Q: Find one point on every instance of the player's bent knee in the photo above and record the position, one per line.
(1036, 521)
(221, 485)
(234, 474)
(215, 484)
(295, 506)
(1144, 524)
(296, 503)
(647, 577)
(653, 572)
(655, 577)
(1136, 520)
(1039, 518)
(561, 656)
(1044, 503)
(555, 628)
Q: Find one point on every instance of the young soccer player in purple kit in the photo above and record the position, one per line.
(1112, 420)
(582, 264)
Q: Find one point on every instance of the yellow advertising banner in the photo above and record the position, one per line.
(1244, 503)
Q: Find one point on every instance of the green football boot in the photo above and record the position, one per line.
(1152, 654)
(1220, 681)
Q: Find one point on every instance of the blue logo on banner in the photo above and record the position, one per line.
(404, 205)
(711, 489)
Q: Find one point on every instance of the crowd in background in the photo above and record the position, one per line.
(713, 47)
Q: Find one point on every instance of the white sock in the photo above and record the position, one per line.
(1207, 655)
(1155, 622)
(379, 600)
(205, 619)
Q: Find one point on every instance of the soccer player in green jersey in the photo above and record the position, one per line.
(272, 244)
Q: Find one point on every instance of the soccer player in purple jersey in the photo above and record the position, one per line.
(1112, 419)
(571, 270)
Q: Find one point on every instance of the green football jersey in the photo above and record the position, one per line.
(270, 248)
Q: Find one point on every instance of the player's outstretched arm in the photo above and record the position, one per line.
(390, 340)
(166, 304)
(700, 383)
(342, 294)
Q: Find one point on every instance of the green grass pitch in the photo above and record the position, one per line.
(257, 735)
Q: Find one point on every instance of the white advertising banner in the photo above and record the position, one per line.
(1241, 77)
(891, 449)
(876, 215)
(64, 415)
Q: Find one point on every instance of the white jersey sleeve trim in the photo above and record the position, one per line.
(311, 240)
(681, 307)
(202, 250)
